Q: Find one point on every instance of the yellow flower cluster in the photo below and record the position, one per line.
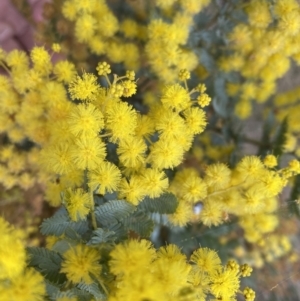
(265, 42)
(17, 282)
(140, 272)
(248, 191)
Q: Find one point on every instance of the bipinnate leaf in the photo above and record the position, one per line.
(113, 211)
(60, 222)
(47, 262)
(140, 223)
(280, 138)
(92, 289)
(165, 204)
(101, 236)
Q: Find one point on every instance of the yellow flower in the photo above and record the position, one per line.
(121, 120)
(64, 71)
(165, 154)
(193, 189)
(11, 263)
(270, 161)
(128, 257)
(85, 88)
(225, 284)
(85, 120)
(154, 182)
(28, 286)
(195, 119)
(57, 158)
(80, 263)
(132, 190)
(211, 214)
(175, 97)
(217, 176)
(88, 153)
(131, 151)
(107, 176)
(85, 27)
(77, 203)
(207, 260)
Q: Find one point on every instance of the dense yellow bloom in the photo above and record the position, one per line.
(85, 27)
(107, 176)
(175, 97)
(195, 120)
(121, 120)
(154, 182)
(211, 214)
(28, 286)
(85, 120)
(84, 88)
(165, 154)
(11, 263)
(258, 13)
(57, 158)
(41, 60)
(132, 151)
(18, 60)
(132, 190)
(207, 260)
(193, 189)
(80, 262)
(224, 284)
(217, 176)
(77, 203)
(174, 277)
(250, 166)
(170, 125)
(270, 161)
(64, 71)
(182, 215)
(88, 153)
(129, 257)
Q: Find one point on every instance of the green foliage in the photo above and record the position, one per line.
(60, 223)
(92, 289)
(280, 138)
(46, 261)
(140, 223)
(164, 204)
(113, 211)
(102, 236)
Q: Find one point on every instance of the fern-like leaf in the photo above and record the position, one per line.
(47, 262)
(140, 223)
(100, 236)
(92, 289)
(165, 204)
(280, 138)
(113, 211)
(60, 222)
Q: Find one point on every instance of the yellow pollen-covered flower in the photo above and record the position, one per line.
(207, 260)
(80, 263)
(270, 161)
(77, 203)
(86, 120)
(175, 97)
(107, 176)
(84, 88)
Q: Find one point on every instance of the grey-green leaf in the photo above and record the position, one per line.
(165, 204)
(47, 262)
(101, 236)
(113, 211)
